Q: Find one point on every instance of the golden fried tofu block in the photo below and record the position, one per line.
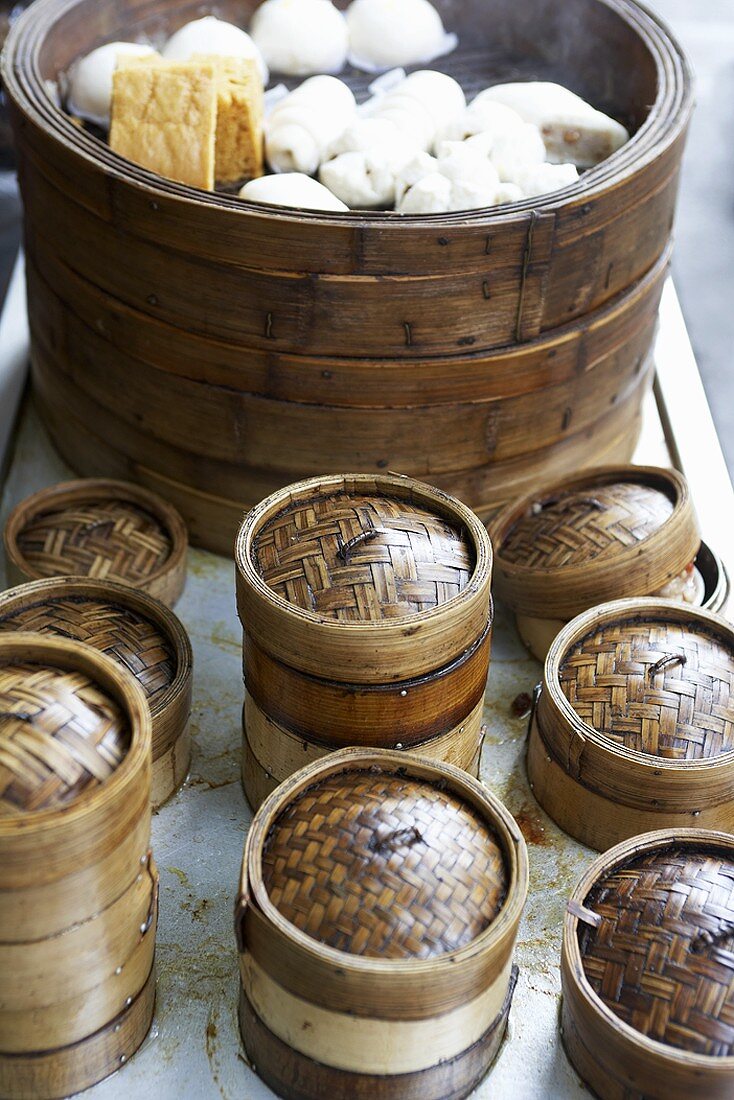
(164, 117)
(240, 111)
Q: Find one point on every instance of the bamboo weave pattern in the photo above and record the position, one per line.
(403, 559)
(109, 539)
(663, 956)
(129, 637)
(654, 686)
(378, 865)
(582, 525)
(59, 735)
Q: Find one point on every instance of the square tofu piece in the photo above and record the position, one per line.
(240, 111)
(164, 118)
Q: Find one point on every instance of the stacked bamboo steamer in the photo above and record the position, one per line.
(596, 536)
(646, 969)
(634, 724)
(78, 888)
(379, 905)
(365, 603)
(477, 348)
(141, 634)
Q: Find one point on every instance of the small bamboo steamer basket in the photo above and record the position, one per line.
(102, 529)
(633, 727)
(392, 983)
(588, 538)
(646, 969)
(367, 616)
(141, 633)
(78, 887)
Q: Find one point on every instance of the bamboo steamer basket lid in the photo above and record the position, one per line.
(383, 865)
(143, 635)
(61, 734)
(601, 535)
(99, 528)
(648, 966)
(638, 705)
(341, 898)
(363, 578)
(75, 757)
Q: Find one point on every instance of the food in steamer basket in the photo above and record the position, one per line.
(414, 146)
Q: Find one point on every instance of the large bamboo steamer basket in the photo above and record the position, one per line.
(646, 969)
(592, 537)
(75, 773)
(633, 727)
(366, 609)
(288, 315)
(369, 994)
(98, 528)
(141, 633)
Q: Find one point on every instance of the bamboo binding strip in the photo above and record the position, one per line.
(143, 636)
(646, 969)
(102, 529)
(634, 725)
(78, 888)
(399, 977)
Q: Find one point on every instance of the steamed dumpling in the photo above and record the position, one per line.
(292, 189)
(302, 128)
(301, 37)
(90, 89)
(212, 36)
(388, 33)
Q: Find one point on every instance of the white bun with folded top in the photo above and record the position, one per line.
(90, 81)
(387, 33)
(303, 127)
(212, 36)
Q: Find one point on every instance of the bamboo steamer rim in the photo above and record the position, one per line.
(566, 590)
(97, 490)
(49, 589)
(668, 55)
(572, 963)
(630, 609)
(253, 892)
(343, 644)
(127, 693)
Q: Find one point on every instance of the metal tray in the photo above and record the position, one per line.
(194, 1048)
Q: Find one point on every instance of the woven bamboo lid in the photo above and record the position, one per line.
(103, 529)
(379, 864)
(61, 733)
(604, 534)
(352, 576)
(662, 957)
(655, 683)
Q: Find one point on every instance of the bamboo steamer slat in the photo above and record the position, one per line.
(98, 528)
(213, 495)
(51, 1075)
(635, 1036)
(210, 302)
(67, 307)
(141, 633)
(271, 753)
(78, 900)
(634, 728)
(385, 1009)
(230, 425)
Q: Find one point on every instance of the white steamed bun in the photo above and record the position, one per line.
(213, 36)
(292, 189)
(301, 37)
(388, 33)
(90, 87)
